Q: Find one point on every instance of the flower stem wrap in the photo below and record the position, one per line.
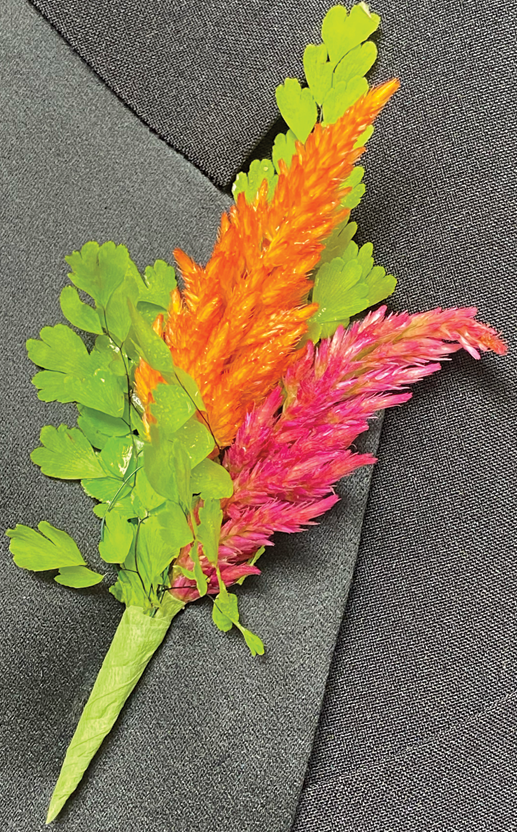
(137, 637)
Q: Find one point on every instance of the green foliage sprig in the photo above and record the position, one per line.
(345, 282)
(150, 486)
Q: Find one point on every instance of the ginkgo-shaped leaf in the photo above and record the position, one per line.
(297, 107)
(338, 241)
(196, 440)
(172, 406)
(209, 528)
(116, 314)
(283, 149)
(144, 493)
(341, 97)
(342, 31)
(155, 292)
(225, 614)
(48, 548)
(250, 183)
(117, 455)
(318, 70)
(356, 186)
(167, 467)
(60, 349)
(100, 427)
(78, 577)
(99, 269)
(148, 344)
(160, 280)
(78, 313)
(161, 536)
(67, 454)
(356, 63)
(51, 548)
(72, 374)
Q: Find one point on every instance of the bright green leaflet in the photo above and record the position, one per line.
(98, 270)
(49, 548)
(67, 454)
(250, 183)
(148, 344)
(196, 440)
(356, 64)
(167, 467)
(99, 427)
(225, 612)
(160, 281)
(172, 406)
(209, 528)
(71, 374)
(338, 242)
(341, 97)
(116, 456)
(318, 71)
(145, 493)
(116, 314)
(79, 577)
(283, 149)
(118, 537)
(298, 108)
(210, 479)
(252, 562)
(78, 313)
(341, 32)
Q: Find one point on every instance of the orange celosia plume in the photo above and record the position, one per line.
(236, 325)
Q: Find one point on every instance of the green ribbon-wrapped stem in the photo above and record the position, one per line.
(137, 637)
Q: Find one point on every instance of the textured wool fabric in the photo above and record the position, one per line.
(199, 73)
(211, 738)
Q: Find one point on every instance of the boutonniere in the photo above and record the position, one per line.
(221, 405)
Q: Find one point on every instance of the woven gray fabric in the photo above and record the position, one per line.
(211, 738)
(418, 726)
(199, 73)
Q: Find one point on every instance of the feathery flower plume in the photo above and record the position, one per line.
(236, 325)
(295, 446)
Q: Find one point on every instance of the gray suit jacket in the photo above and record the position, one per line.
(408, 721)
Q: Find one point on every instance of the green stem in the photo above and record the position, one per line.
(136, 639)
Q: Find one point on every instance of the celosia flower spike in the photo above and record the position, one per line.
(236, 325)
(295, 446)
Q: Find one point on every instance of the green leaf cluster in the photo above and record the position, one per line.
(347, 284)
(225, 611)
(225, 615)
(147, 484)
(335, 72)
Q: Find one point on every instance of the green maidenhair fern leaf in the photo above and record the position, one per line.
(346, 285)
(297, 107)
(335, 71)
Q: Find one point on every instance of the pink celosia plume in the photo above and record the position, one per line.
(294, 447)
